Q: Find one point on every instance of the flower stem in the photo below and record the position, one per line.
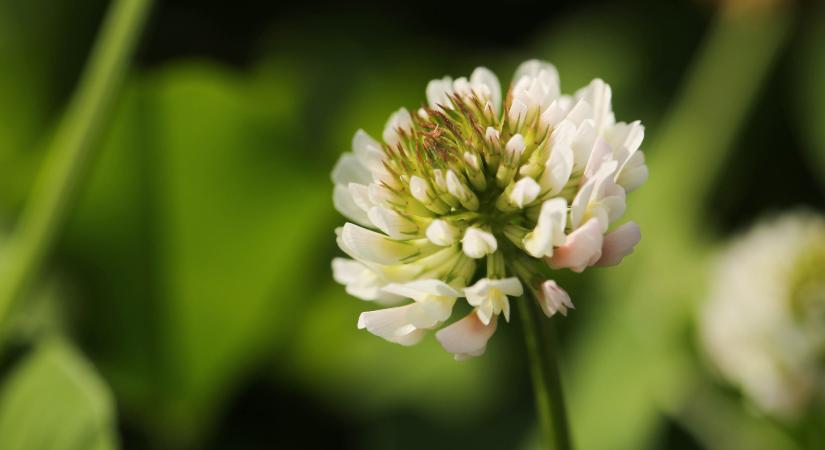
(70, 152)
(539, 337)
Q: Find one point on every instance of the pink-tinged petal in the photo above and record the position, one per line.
(553, 299)
(466, 338)
(619, 243)
(582, 248)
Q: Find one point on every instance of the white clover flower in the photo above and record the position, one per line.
(763, 325)
(474, 196)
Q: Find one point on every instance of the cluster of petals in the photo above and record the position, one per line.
(476, 196)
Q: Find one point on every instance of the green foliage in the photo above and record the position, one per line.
(230, 221)
(54, 399)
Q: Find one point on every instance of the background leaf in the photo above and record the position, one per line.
(54, 399)
(229, 222)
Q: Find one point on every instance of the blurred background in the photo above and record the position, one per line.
(188, 302)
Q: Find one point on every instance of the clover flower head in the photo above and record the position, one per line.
(473, 196)
(763, 324)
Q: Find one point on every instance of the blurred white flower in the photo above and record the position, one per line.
(763, 325)
(477, 180)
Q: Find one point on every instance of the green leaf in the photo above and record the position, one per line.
(240, 224)
(54, 399)
(209, 223)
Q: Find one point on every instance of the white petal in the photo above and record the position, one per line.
(430, 313)
(420, 189)
(598, 94)
(625, 139)
(467, 337)
(548, 79)
(399, 120)
(583, 144)
(601, 154)
(421, 289)
(361, 281)
(391, 324)
(438, 92)
(477, 243)
(581, 111)
(553, 299)
(592, 199)
(344, 203)
(349, 169)
(461, 87)
(509, 286)
(368, 245)
(524, 192)
(346, 271)
(380, 195)
(492, 136)
(517, 113)
(536, 84)
(477, 293)
(455, 186)
(442, 233)
(634, 172)
(613, 201)
(553, 115)
(529, 68)
(393, 224)
(360, 196)
(619, 243)
(582, 248)
(534, 67)
(368, 151)
(485, 312)
(515, 147)
(578, 208)
(559, 166)
(485, 83)
(489, 296)
(472, 160)
(549, 231)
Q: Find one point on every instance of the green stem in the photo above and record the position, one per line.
(544, 371)
(70, 152)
